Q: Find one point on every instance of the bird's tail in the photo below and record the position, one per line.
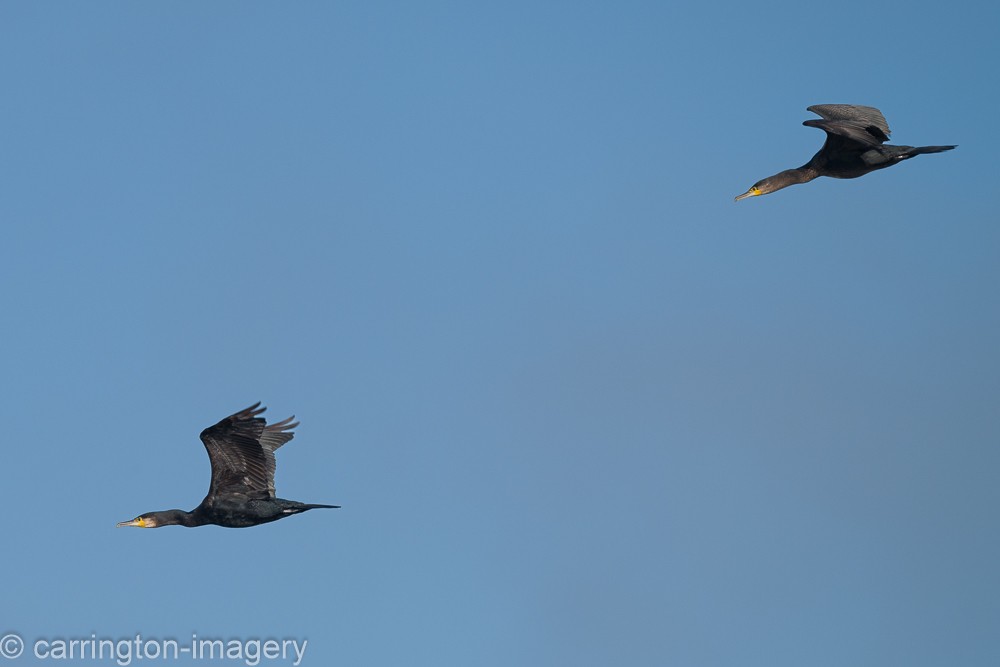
(919, 150)
(294, 507)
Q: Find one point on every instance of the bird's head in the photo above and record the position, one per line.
(761, 187)
(143, 521)
(777, 182)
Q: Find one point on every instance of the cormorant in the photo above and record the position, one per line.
(854, 136)
(241, 450)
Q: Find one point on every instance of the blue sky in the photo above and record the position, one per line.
(580, 408)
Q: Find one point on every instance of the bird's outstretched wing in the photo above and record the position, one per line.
(863, 125)
(241, 449)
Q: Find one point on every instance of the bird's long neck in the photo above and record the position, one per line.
(803, 174)
(177, 518)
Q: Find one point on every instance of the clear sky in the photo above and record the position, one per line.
(580, 408)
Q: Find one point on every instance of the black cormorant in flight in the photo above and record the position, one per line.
(241, 450)
(854, 136)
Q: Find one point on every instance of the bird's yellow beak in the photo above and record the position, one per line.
(752, 192)
(138, 522)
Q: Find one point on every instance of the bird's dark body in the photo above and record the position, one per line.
(854, 146)
(241, 449)
(232, 513)
(847, 164)
(853, 165)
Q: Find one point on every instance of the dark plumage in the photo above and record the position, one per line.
(241, 450)
(854, 147)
